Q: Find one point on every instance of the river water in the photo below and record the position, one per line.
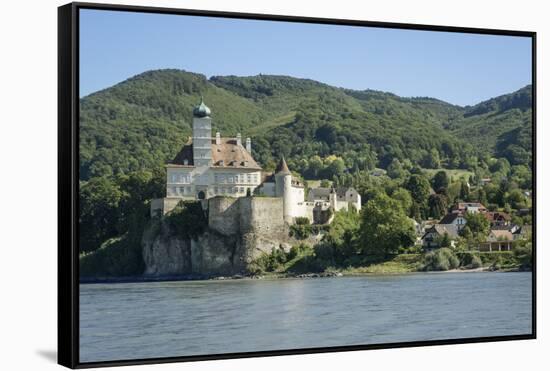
(164, 319)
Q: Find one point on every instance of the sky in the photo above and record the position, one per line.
(462, 69)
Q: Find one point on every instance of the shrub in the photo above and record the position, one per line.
(272, 262)
(469, 259)
(301, 220)
(453, 262)
(504, 258)
(117, 257)
(440, 260)
(523, 253)
(300, 232)
(188, 219)
(297, 250)
(475, 262)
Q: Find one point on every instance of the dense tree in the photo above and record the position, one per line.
(111, 206)
(477, 224)
(404, 198)
(100, 199)
(440, 180)
(395, 170)
(516, 199)
(464, 191)
(385, 227)
(437, 206)
(419, 187)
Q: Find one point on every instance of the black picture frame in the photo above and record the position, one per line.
(68, 175)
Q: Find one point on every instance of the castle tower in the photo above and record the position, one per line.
(333, 197)
(202, 135)
(283, 188)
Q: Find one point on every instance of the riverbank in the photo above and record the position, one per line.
(348, 272)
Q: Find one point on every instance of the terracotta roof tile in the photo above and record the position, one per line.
(227, 154)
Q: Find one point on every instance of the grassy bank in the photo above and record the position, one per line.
(304, 259)
(404, 263)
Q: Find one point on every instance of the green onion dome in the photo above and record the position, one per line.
(201, 110)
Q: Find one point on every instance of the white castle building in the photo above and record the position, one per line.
(209, 166)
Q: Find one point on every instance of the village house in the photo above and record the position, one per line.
(498, 219)
(498, 240)
(340, 198)
(454, 219)
(434, 234)
(470, 207)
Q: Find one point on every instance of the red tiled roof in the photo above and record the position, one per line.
(227, 154)
(495, 216)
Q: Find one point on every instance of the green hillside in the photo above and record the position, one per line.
(502, 125)
(143, 121)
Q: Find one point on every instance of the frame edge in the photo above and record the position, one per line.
(67, 295)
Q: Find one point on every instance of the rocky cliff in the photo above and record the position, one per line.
(239, 231)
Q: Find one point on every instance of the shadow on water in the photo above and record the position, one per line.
(50, 355)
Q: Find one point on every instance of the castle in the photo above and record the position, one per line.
(207, 167)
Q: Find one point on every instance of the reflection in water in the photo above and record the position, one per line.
(164, 319)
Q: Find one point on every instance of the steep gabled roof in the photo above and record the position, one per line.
(450, 218)
(282, 167)
(441, 230)
(341, 191)
(227, 154)
(500, 235)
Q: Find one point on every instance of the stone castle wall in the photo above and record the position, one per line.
(239, 231)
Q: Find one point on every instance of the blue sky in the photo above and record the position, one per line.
(458, 68)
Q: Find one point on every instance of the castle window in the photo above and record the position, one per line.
(249, 178)
(241, 190)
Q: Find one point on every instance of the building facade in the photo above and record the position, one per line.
(208, 166)
(211, 166)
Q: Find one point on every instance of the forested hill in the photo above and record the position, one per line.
(143, 121)
(502, 124)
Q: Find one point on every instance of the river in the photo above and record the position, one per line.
(121, 321)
